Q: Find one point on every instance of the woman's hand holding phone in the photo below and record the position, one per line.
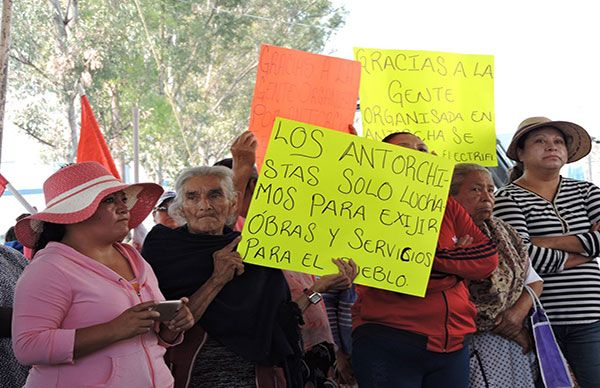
(167, 309)
(183, 318)
(142, 317)
(136, 320)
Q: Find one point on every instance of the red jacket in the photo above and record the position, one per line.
(446, 314)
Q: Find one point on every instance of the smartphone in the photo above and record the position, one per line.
(167, 309)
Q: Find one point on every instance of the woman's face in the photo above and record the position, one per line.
(409, 141)
(110, 222)
(544, 148)
(206, 207)
(476, 195)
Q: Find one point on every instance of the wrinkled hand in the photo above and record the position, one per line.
(227, 263)
(509, 323)
(595, 227)
(348, 268)
(333, 282)
(343, 369)
(183, 320)
(464, 241)
(243, 149)
(134, 321)
(340, 281)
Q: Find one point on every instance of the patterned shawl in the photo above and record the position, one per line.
(504, 286)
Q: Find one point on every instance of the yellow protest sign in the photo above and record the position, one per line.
(446, 99)
(323, 194)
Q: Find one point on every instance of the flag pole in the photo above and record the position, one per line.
(20, 198)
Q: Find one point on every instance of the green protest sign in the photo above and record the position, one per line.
(324, 194)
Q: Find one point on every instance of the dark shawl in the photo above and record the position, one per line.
(252, 315)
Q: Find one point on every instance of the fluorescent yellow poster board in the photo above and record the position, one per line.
(446, 99)
(323, 194)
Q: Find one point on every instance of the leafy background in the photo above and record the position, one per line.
(188, 66)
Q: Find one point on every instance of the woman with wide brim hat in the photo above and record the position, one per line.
(83, 307)
(558, 219)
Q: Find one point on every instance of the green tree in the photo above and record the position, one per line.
(188, 66)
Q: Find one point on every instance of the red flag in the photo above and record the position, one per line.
(92, 147)
(3, 183)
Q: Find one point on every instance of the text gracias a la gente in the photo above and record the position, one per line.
(442, 125)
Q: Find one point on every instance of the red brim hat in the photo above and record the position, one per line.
(74, 193)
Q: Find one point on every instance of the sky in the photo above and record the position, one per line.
(546, 64)
(545, 52)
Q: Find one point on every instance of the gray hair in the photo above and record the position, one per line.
(461, 171)
(221, 172)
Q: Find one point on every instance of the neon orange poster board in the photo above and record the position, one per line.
(301, 86)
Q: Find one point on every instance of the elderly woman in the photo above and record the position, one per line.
(246, 310)
(497, 350)
(83, 313)
(308, 291)
(559, 218)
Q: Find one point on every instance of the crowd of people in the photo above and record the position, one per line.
(88, 310)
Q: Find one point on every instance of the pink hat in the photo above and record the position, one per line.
(73, 194)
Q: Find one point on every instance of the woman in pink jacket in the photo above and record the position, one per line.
(83, 308)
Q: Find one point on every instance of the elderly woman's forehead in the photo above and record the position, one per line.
(480, 176)
(203, 181)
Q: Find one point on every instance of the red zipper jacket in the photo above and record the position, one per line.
(445, 315)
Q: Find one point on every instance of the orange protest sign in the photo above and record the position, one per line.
(301, 86)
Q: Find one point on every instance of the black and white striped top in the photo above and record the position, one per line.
(570, 296)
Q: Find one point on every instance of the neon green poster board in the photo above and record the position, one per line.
(323, 194)
(446, 99)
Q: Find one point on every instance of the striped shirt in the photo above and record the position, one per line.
(570, 296)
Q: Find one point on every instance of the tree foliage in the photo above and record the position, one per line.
(188, 66)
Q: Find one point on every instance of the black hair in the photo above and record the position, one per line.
(515, 172)
(227, 162)
(50, 232)
(392, 135)
(10, 234)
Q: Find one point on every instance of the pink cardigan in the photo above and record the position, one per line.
(62, 290)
